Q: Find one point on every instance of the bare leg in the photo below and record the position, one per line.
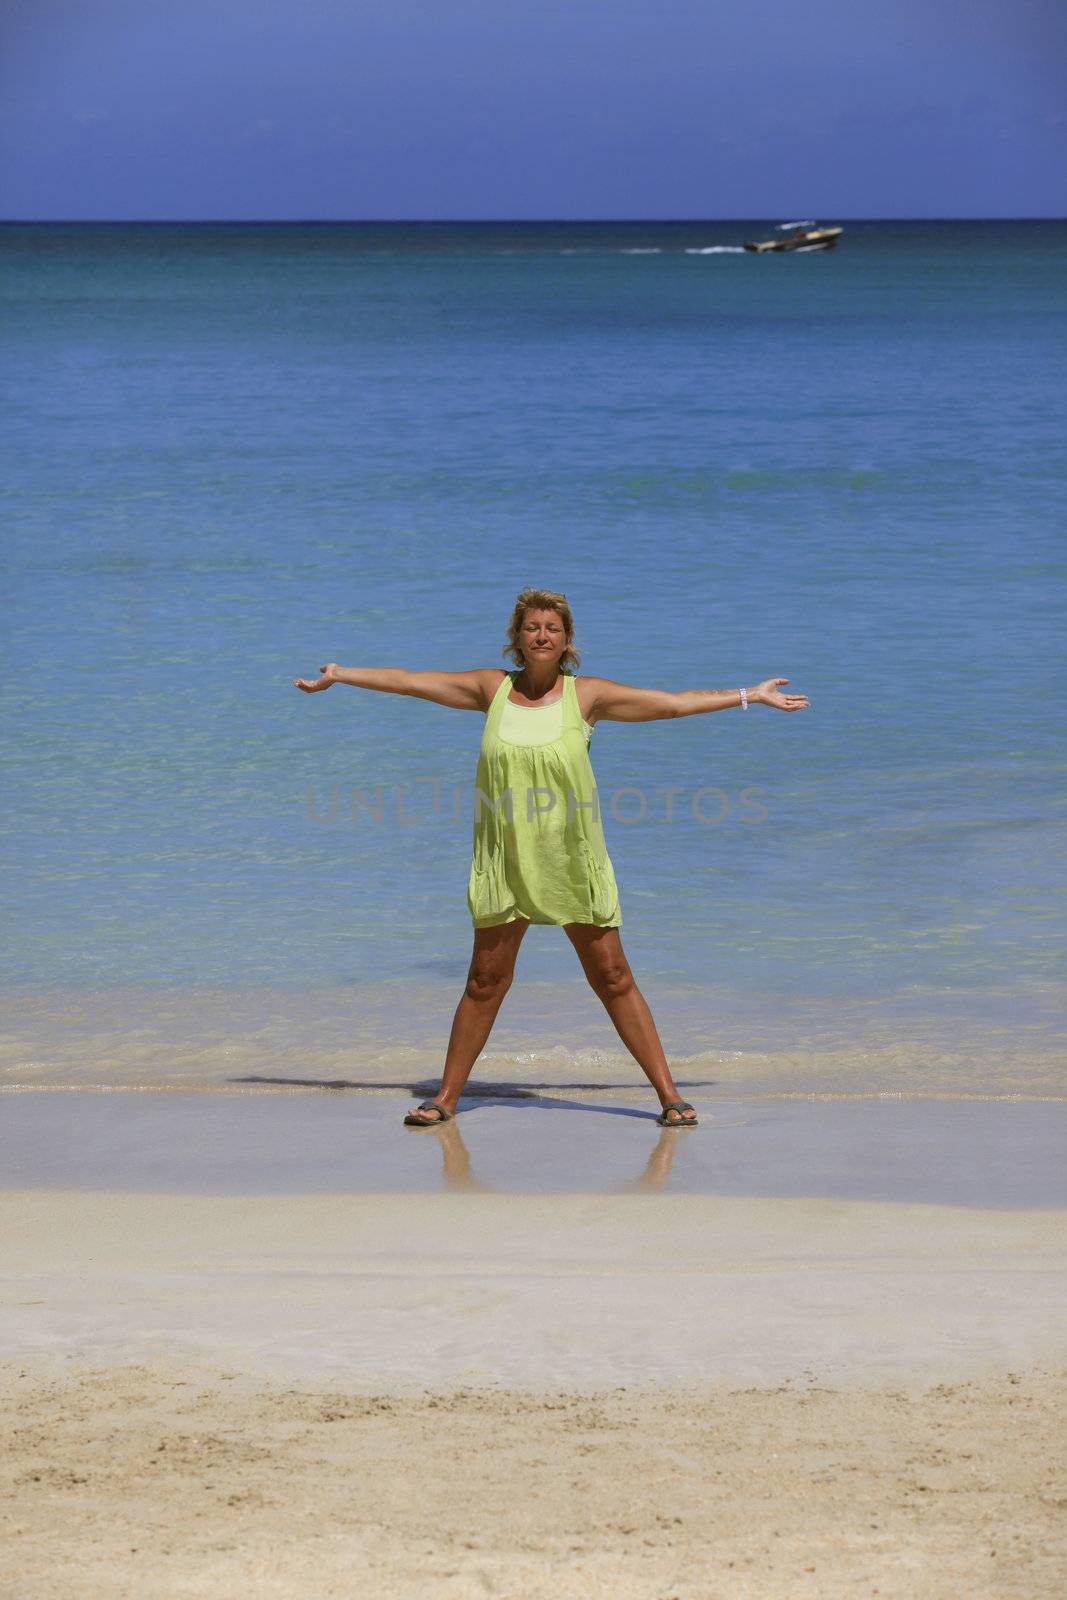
(601, 954)
(488, 981)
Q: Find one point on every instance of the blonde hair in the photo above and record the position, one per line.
(542, 600)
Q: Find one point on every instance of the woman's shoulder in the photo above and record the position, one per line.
(586, 689)
(492, 678)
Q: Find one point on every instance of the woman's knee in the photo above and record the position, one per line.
(493, 960)
(611, 979)
(489, 983)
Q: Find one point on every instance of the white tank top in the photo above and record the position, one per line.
(535, 724)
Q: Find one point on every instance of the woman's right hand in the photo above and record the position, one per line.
(329, 675)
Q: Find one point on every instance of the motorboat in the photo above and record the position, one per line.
(797, 236)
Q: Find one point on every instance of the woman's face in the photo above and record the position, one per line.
(542, 637)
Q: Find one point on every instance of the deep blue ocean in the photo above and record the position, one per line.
(234, 452)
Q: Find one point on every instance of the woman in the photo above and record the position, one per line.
(539, 852)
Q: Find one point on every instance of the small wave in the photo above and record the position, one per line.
(654, 250)
(715, 250)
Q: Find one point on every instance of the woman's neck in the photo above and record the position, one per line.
(537, 681)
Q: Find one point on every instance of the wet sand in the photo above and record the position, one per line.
(990, 1153)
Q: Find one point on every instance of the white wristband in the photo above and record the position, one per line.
(744, 699)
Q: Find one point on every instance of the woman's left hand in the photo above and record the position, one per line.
(768, 693)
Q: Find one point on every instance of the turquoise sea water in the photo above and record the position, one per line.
(235, 452)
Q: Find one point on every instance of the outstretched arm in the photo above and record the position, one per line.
(466, 691)
(622, 702)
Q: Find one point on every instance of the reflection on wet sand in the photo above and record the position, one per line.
(457, 1173)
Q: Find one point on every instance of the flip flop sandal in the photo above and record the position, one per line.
(683, 1122)
(424, 1122)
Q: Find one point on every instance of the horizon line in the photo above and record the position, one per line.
(473, 221)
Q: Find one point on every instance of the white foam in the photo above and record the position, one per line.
(655, 250)
(717, 250)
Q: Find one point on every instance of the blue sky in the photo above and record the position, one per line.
(496, 109)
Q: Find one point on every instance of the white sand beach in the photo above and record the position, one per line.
(159, 1479)
(469, 1391)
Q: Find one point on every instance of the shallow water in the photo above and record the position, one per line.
(549, 1034)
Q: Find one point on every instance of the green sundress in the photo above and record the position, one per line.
(539, 849)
